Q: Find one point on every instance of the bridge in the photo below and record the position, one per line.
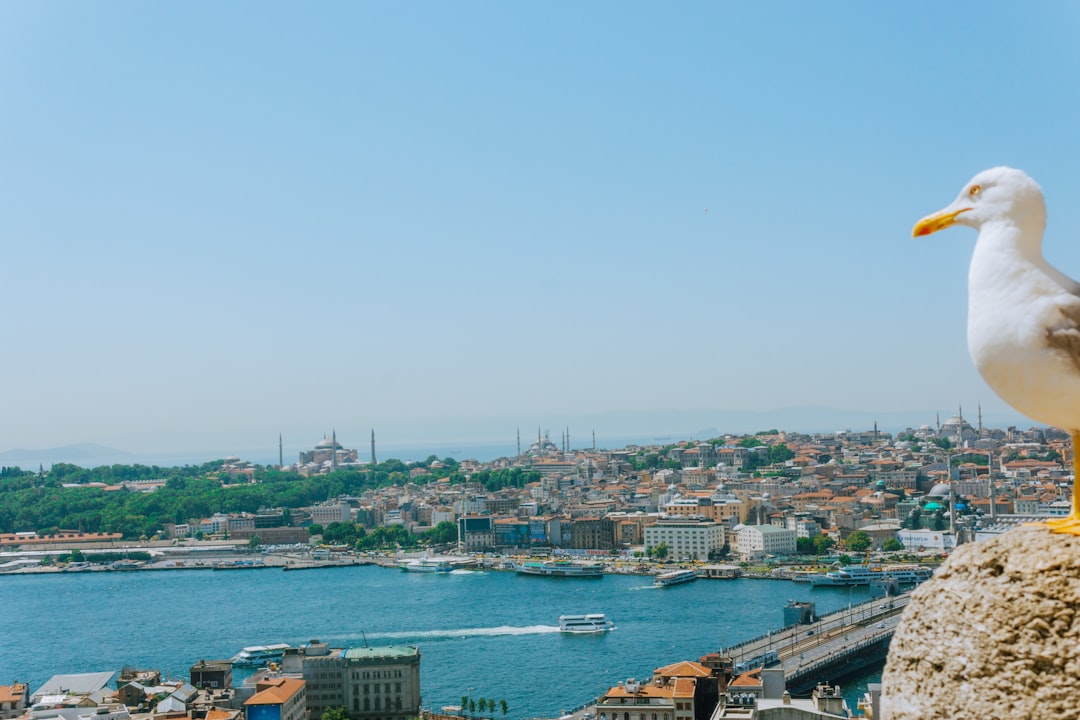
(833, 646)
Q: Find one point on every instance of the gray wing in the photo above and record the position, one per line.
(1065, 335)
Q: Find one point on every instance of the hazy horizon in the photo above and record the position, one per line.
(488, 446)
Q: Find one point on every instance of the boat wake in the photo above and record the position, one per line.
(458, 634)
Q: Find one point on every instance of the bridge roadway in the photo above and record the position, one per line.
(830, 639)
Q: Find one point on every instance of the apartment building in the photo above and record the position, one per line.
(687, 538)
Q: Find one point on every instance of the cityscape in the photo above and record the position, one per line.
(862, 509)
(293, 293)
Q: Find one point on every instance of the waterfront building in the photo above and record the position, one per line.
(281, 698)
(476, 534)
(659, 700)
(372, 683)
(753, 542)
(687, 538)
(594, 533)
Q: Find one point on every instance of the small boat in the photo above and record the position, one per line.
(674, 577)
(259, 655)
(426, 565)
(579, 624)
(561, 568)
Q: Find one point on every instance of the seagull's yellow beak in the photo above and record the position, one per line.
(938, 221)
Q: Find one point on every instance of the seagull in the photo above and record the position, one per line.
(1023, 327)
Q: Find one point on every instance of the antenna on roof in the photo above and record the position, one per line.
(365, 638)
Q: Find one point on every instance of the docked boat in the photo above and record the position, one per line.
(560, 568)
(851, 575)
(907, 574)
(674, 577)
(426, 565)
(259, 655)
(592, 623)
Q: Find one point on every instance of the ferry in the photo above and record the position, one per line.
(560, 568)
(674, 577)
(863, 575)
(851, 575)
(908, 574)
(259, 655)
(592, 623)
(426, 565)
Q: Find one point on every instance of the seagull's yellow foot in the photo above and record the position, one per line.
(1069, 525)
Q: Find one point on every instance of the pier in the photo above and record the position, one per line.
(834, 645)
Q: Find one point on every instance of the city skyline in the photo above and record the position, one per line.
(445, 222)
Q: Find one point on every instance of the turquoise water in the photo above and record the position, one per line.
(482, 634)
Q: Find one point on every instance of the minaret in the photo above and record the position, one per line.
(519, 441)
(373, 447)
(333, 449)
(280, 453)
(594, 440)
(980, 422)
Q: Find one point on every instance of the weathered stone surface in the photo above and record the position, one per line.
(994, 634)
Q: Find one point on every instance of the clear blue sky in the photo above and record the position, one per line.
(219, 221)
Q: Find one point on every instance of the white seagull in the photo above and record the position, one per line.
(1023, 313)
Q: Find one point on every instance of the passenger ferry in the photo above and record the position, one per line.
(674, 577)
(850, 575)
(560, 568)
(863, 575)
(907, 574)
(259, 655)
(426, 565)
(593, 623)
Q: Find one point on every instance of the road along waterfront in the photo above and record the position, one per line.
(482, 634)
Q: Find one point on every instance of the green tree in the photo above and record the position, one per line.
(253, 542)
(464, 703)
(660, 552)
(892, 545)
(504, 707)
(858, 541)
(481, 705)
(335, 713)
(804, 546)
(472, 706)
(822, 544)
(780, 453)
(315, 529)
(442, 534)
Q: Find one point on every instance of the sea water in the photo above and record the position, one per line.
(483, 634)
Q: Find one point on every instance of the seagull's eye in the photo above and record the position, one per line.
(974, 190)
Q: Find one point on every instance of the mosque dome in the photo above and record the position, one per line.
(327, 444)
(940, 490)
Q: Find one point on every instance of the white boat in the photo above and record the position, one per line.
(908, 575)
(851, 575)
(674, 577)
(561, 568)
(259, 655)
(592, 623)
(426, 565)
